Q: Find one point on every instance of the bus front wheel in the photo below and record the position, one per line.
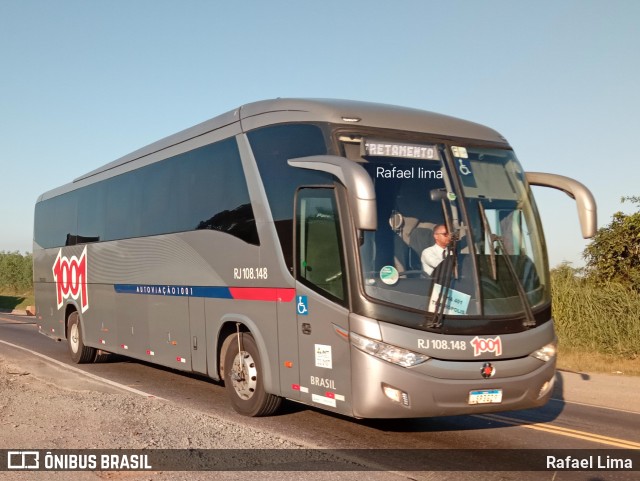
(80, 354)
(243, 378)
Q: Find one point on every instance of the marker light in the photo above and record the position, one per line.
(387, 352)
(546, 353)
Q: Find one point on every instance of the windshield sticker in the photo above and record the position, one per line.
(464, 166)
(456, 302)
(389, 275)
(377, 148)
(460, 152)
(466, 174)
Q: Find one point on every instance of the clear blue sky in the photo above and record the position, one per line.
(83, 83)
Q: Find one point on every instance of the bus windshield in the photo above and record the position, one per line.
(457, 239)
(506, 232)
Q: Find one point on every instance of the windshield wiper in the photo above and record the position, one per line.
(446, 274)
(529, 320)
(492, 239)
(444, 277)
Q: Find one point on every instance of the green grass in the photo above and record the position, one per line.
(597, 318)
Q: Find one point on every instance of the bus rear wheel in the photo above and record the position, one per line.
(80, 354)
(243, 378)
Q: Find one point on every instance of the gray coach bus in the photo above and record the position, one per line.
(279, 248)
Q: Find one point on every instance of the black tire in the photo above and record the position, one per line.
(80, 354)
(243, 379)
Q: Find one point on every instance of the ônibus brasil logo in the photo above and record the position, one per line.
(70, 276)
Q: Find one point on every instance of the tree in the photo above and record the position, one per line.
(614, 253)
(15, 271)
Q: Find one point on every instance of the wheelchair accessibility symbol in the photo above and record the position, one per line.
(302, 305)
(463, 167)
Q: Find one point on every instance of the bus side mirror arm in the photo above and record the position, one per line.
(587, 210)
(361, 192)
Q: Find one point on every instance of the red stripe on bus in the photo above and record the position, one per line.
(271, 294)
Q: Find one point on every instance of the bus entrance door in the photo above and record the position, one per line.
(323, 339)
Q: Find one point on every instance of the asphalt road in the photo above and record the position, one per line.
(571, 420)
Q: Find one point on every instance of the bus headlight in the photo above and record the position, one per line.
(547, 352)
(387, 352)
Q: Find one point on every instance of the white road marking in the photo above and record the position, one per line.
(84, 373)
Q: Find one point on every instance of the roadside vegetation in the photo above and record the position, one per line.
(597, 323)
(16, 280)
(596, 308)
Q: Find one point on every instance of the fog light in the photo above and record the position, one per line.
(546, 387)
(395, 394)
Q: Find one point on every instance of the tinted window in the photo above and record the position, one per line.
(123, 206)
(160, 199)
(219, 197)
(201, 189)
(55, 221)
(272, 147)
(92, 205)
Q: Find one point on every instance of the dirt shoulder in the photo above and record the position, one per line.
(612, 391)
(37, 412)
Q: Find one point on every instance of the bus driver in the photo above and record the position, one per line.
(432, 256)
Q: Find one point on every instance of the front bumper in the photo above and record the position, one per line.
(442, 388)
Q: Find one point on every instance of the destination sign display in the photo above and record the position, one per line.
(383, 148)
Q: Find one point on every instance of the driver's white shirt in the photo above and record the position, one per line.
(431, 257)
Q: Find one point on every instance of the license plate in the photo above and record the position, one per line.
(486, 396)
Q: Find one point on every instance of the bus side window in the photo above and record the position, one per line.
(319, 245)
